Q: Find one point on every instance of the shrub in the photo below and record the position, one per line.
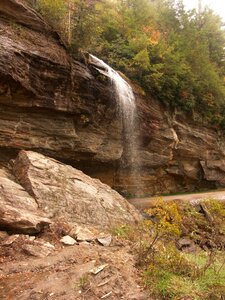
(169, 273)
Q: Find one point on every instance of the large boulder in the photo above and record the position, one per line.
(214, 171)
(18, 210)
(61, 190)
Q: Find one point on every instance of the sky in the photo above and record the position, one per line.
(217, 5)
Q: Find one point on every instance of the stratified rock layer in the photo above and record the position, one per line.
(63, 191)
(60, 107)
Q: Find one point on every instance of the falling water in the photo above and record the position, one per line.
(127, 110)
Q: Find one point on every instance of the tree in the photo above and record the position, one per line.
(86, 25)
(54, 11)
(174, 54)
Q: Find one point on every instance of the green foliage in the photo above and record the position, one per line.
(176, 278)
(55, 11)
(85, 27)
(142, 59)
(122, 231)
(172, 274)
(177, 56)
(174, 54)
(84, 282)
(169, 273)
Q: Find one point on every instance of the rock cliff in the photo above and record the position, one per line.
(63, 108)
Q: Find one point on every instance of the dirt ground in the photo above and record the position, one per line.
(68, 273)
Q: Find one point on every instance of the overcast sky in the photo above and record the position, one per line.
(217, 5)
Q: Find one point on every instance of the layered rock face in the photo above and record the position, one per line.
(65, 109)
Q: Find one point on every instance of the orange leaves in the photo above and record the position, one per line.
(153, 35)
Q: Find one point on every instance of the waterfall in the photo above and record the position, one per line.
(127, 109)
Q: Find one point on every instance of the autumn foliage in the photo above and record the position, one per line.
(176, 55)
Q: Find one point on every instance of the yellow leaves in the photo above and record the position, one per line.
(165, 218)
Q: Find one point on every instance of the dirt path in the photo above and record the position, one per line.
(143, 203)
(66, 275)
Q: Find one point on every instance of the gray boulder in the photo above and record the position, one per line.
(61, 190)
(18, 210)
